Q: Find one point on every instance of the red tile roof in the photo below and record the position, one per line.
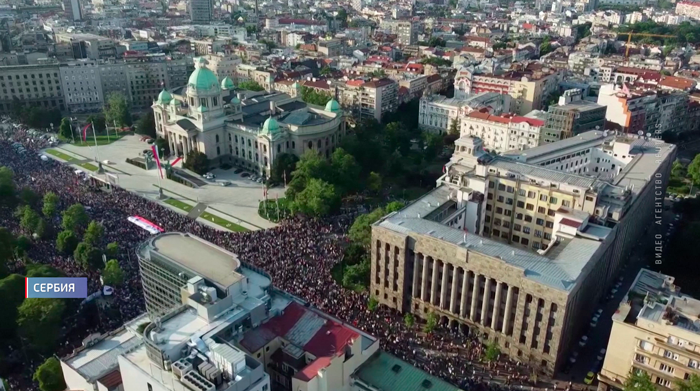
(678, 83)
(571, 223)
(318, 84)
(300, 21)
(111, 380)
(531, 121)
(484, 115)
(355, 83)
(327, 341)
(378, 83)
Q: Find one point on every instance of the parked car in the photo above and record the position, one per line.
(589, 378)
(209, 176)
(245, 175)
(225, 183)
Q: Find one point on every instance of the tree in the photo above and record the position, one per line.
(75, 218)
(112, 274)
(66, 242)
(50, 376)
(116, 110)
(43, 229)
(346, 171)
(545, 47)
(397, 138)
(197, 162)
(372, 303)
(691, 384)
(12, 293)
(112, 249)
(409, 320)
(318, 199)
(39, 321)
(147, 125)
(29, 220)
(638, 380)
(66, 130)
(163, 147)
(492, 351)
(374, 182)
(89, 257)
(50, 206)
(310, 165)
(311, 96)
(499, 46)
(694, 170)
(98, 121)
(361, 229)
(22, 245)
(39, 270)
(250, 85)
(393, 206)
(436, 41)
(431, 322)
(282, 168)
(93, 234)
(7, 185)
(7, 249)
(326, 70)
(454, 127)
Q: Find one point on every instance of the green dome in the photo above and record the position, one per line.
(271, 126)
(227, 84)
(333, 106)
(164, 97)
(202, 78)
(235, 101)
(175, 103)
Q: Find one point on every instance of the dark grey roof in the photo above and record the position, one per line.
(291, 106)
(187, 124)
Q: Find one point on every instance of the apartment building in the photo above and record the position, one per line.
(330, 47)
(405, 30)
(500, 133)
(217, 325)
(529, 85)
(73, 10)
(82, 86)
(655, 330)
(38, 85)
(207, 46)
(635, 109)
(437, 112)
(378, 97)
(223, 65)
(516, 247)
(690, 9)
(572, 116)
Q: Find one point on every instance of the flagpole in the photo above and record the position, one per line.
(115, 128)
(94, 135)
(107, 130)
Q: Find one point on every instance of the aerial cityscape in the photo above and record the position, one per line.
(364, 195)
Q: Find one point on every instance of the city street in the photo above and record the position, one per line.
(238, 202)
(643, 256)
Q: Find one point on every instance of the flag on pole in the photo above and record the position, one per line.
(175, 162)
(157, 157)
(85, 132)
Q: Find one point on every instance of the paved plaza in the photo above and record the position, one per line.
(214, 204)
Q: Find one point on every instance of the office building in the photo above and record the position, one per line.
(572, 116)
(217, 325)
(73, 10)
(38, 85)
(201, 11)
(520, 247)
(655, 330)
(243, 128)
(223, 65)
(82, 86)
(89, 46)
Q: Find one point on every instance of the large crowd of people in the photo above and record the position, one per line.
(298, 254)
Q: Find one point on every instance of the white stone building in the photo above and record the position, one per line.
(247, 131)
(82, 86)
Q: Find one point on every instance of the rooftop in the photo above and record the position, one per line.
(385, 372)
(100, 359)
(558, 268)
(202, 258)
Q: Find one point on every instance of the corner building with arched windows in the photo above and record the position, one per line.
(243, 128)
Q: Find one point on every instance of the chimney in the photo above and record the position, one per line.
(273, 109)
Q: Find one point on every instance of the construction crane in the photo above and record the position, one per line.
(629, 39)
